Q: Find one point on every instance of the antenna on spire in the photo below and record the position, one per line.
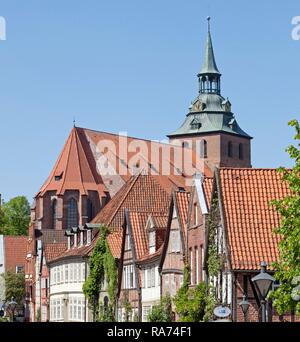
(208, 23)
(74, 122)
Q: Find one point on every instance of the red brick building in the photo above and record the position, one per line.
(244, 229)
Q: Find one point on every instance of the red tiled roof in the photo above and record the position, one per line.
(151, 148)
(182, 204)
(250, 220)
(138, 222)
(53, 250)
(114, 240)
(149, 257)
(141, 193)
(75, 168)
(73, 252)
(207, 186)
(160, 221)
(14, 252)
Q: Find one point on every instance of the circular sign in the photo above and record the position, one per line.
(222, 311)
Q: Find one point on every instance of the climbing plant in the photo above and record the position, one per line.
(127, 307)
(214, 260)
(287, 296)
(102, 268)
(194, 304)
(162, 312)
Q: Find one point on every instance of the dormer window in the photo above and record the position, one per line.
(58, 177)
(196, 124)
(89, 237)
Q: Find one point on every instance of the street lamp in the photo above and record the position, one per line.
(12, 305)
(263, 282)
(244, 304)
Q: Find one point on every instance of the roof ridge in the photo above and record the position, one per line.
(68, 158)
(77, 155)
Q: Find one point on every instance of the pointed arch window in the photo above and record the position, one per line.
(72, 213)
(241, 151)
(229, 149)
(90, 210)
(54, 213)
(203, 149)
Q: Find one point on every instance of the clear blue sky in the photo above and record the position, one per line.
(131, 66)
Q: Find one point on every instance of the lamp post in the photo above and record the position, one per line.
(12, 305)
(263, 282)
(244, 304)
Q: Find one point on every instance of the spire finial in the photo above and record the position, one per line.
(74, 122)
(208, 23)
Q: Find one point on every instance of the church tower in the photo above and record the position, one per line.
(210, 127)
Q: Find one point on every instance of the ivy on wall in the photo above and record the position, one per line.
(214, 260)
(103, 268)
(194, 304)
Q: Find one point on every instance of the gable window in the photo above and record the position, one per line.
(229, 149)
(54, 213)
(72, 213)
(241, 151)
(152, 239)
(191, 266)
(197, 264)
(127, 242)
(175, 241)
(128, 277)
(195, 214)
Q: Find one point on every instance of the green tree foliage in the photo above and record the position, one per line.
(288, 266)
(14, 286)
(194, 304)
(162, 312)
(15, 216)
(102, 268)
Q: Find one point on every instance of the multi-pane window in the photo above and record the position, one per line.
(90, 210)
(56, 309)
(146, 311)
(128, 277)
(76, 308)
(191, 266)
(197, 264)
(19, 269)
(152, 277)
(127, 242)
(152, 239)
(72, 213)
(68, 273)
(148, 277)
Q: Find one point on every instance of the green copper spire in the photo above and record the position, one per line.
(209, 65)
